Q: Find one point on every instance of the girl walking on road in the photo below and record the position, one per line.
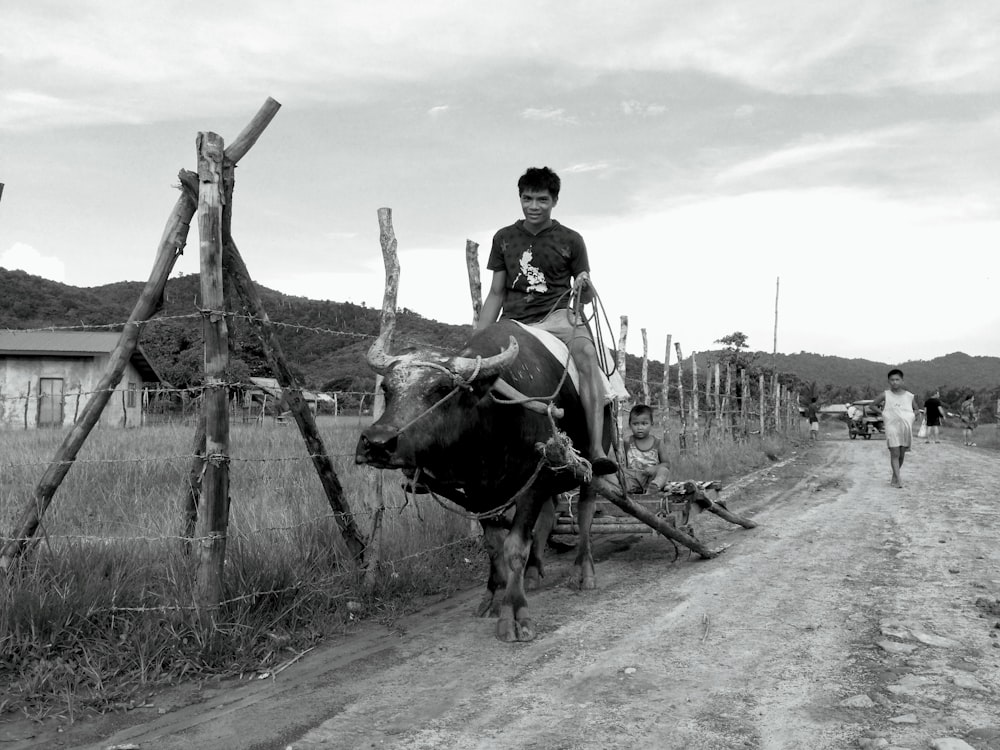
(898, 408)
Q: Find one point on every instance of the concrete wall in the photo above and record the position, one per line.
(19, 404)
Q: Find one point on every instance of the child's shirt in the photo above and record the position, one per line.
(898, 407)
(636, 458)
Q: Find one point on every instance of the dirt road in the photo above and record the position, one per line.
(855, 615)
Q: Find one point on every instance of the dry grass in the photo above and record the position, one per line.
(102, 610)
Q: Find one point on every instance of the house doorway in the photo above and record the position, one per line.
(50, 402)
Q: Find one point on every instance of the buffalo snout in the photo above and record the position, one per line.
(377, 445)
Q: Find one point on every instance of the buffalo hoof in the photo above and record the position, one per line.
(588, 583)
(512, 631)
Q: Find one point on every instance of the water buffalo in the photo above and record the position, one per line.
(444, 429)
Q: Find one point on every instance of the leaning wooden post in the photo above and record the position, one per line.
(620, 420)
(645, 367)
(694, 401)
(387, 239)
(238, 274)
(665, 392)
(475, 284)
(682, 437)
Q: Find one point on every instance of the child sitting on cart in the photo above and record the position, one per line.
(646, 468)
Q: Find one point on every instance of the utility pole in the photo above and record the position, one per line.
(774, 353)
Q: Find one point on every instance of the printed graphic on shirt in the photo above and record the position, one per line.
(533, 275)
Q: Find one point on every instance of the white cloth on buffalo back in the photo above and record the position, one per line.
(614, 386)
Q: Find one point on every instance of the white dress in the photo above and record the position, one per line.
(898, 417)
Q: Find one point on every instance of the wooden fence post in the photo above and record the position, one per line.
(776, 391)
(682, 438)
(717, 398)
(387, 328)
(727, 401)
(695, 427)
(665, 391)
(171, 247)
(620, 419)
(476, 292)
(475, 284)
(744, 402)
(645, 367)
(763, 405)
(213, 518)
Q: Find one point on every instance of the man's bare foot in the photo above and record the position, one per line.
(897, 485)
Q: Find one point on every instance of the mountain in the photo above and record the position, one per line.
(325, 342)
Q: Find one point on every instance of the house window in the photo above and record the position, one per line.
(132, 390)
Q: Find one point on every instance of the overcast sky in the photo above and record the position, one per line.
(706, 149)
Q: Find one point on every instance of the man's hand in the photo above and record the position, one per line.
(584, 287)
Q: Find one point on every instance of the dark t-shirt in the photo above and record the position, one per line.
(812, 412)
(932, 407)
(540, 268)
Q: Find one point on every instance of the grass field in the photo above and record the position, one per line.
(102, 609)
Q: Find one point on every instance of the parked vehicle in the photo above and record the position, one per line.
(863, 420)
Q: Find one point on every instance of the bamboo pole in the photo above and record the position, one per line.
(171, 247)
(475, 284)
(682, 438)
(665, 391)
(695, 427)
(645, 367)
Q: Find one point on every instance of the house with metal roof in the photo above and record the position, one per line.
(47, 378)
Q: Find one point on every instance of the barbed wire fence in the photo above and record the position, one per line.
(727, 411)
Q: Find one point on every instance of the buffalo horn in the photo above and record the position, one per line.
(465, 367)
(378, 358)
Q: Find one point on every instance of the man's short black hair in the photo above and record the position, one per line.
(895, 371)
(540, 178)
(641, 410)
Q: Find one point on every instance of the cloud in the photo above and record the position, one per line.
(439, 110)
(99, 61)
(551, 113)
(593, 166)
(28, 259)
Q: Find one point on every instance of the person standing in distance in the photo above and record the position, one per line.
(934, 414)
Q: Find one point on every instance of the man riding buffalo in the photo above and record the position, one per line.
(446, 430)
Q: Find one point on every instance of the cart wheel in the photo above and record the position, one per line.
(853, 434)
